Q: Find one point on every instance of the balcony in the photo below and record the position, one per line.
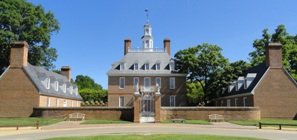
(146, 50)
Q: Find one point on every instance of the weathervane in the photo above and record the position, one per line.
(147, 15)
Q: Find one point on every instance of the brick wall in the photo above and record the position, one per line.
(103, 113)
(201, 113)
(114, 91)
(276, 95)
(18, 94)
(43, 102)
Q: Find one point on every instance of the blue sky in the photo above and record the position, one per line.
(92, 32)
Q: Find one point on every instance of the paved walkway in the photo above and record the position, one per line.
(65, 129)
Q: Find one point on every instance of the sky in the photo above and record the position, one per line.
(92, 32)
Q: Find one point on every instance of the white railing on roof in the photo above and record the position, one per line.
(146, 50)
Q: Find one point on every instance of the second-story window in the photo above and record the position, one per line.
(122, 66)
(146, 66)
(122, 82)
(172, 83)
(158, 81)
(158, 66)
(135, 66)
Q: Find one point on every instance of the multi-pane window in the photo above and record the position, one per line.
(147, 82)
(122, 66)
(158, 81)
(228, 102)
(171, 66)
(172, 83)
(172, 100)
(146, 66)
(48, 101)
(56, 85)
(158, 66)
(121, 101)
(235, 101)
(136, 83)
(64, 88)
(135, 66)
(65, 103)
(244, 101)
(222, 102)
(122, 82)
(48, 83)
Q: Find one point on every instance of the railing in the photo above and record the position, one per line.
(146, 50)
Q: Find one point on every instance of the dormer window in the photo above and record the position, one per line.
(158, 66)
(122, 66)
(146, 66)
(71, 90)
(64, 88)
(57, 86)
(135, 66)
(48, 83)
(171, 66)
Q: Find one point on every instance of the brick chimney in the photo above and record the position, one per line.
(274, 55)
(167, 45)
(19, 54)
(66, 71)
(127, 45)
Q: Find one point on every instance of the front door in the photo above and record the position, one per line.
(147, 107)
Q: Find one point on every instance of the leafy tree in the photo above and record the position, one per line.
(204, 64)
(21, 20)
(289, 48)
(89, 89)
(194, 93)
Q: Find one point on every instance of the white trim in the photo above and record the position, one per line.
(158, 63)
(120, 101)
(173, 84)
(123, 82)
(253, 91)
(172, 100)
(146, 64)
(48, 102)
(160, 85)
(228, 102)
(4, 71)
(57, 85)
(134, 85)
(134, 67)
(48, 83)
(65, 103)
(150, 82)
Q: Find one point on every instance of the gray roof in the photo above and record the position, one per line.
(152, 58)
(39, 77)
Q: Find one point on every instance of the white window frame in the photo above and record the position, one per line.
(244, 101)
(57, 85)
(158, 66)
(122, 66)
(122, 79)
(48, 102)
(135, 66)
(228, 102)
(156, 80)
(57, 102)
(222, 102)
(149, 83)
(172, 82)
(64, 88)
(235, 101)
(48, 84)
(65, 103)
(134, 81)
(245, 83)
(146, 66)
(172, 101)
(172, 66)
(121, 101)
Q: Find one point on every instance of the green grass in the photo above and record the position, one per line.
(256, 123)
(204, 122)
(104, 121)
(156, 137)
(9, 122)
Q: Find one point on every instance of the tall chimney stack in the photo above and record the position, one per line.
(66, 71)
(167, 45)
(19, 54)
(127, 45)
(274, 55)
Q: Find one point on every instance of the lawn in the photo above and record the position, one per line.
(104, 121)
(9, 122)
(204, 122)
(256, 123)
(156, 137)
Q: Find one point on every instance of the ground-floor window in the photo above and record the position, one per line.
(48, 101)
(57, 102)
(121, 101)
(65, 103)
(235, 101)
(222, 102)
(244, 101)
(228, 102)
(172, 100)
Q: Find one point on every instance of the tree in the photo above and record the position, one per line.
(89, 89)
(204, 64)
(289, 48)
(194, 93)
(21, 20)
